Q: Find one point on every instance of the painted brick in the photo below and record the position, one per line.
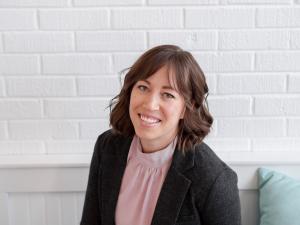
(122, 61)
(74, 19)
(295, 39)
(229, 106)
(77, 108)
(111, 41)
(147, 18)
(19, 64)
(107, 2)
(224, 62)
(182, 2)
(93, 128)
(277, 106)
(17, 19)
(262, 40)
(228, 144)
(98, 86)
(2, 88)
(1, 43)
(21, 147)
(38, 42)
(243, 84)
(294, 127)
(246, 69)
(264, 156)
(211, 81)
(34, 3)
(219, 18)
(20, 109)
(3, 133)
(277, 61)
(294, 83)
(189, 40)
(35, 129)
(69, 147)
(278, 17)
(275, 2)
(281, 146)
(251, 127)
(38, 87)
(76, 64)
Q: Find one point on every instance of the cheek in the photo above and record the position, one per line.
(173, 111)
(131, 104)
(176, 111)
(134, 102)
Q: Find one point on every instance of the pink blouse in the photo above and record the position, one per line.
(141, 184)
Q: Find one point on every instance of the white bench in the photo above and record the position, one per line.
(52, 190)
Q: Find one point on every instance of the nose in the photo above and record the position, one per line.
(152, 102)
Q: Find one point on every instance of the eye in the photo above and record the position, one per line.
(142, 87)
(168, 95)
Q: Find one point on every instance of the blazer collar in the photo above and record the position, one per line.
(175, 184)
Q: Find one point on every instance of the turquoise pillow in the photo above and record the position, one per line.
(279, 198)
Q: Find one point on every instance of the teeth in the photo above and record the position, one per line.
(148, 119)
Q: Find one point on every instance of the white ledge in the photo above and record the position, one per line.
(32, 161)
(83, 160)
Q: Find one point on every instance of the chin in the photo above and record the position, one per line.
(142, 133)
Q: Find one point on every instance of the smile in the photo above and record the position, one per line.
(149, 120)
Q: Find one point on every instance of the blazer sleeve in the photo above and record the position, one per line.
(91, 209)
(222, 205)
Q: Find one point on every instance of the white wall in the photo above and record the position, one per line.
(59, 63)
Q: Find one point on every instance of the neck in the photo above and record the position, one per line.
(149, 146)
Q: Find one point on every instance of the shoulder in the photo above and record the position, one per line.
(206, 160)
(209, 170)
(215, 188)
(110, 141)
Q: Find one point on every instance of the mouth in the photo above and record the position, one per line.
(149, 120)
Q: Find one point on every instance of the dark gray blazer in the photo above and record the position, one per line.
(199, 188)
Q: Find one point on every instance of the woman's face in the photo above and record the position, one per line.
(155, 110)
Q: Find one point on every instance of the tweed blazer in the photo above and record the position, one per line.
(199, 188)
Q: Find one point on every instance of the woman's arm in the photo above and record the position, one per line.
(222, 205)
(91, 210)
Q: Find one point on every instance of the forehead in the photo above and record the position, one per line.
(162, 77)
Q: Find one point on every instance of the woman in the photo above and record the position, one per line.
(153, 166)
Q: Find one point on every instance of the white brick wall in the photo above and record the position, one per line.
(111, 41)
(34, 3)
(189, 40)
(38, 42)
(73, 19)
(76, 64)
(19, 64)
(17, 19)
(147, 18)
(60, 59)
(220, 18)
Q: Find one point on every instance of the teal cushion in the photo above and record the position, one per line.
(279, 198)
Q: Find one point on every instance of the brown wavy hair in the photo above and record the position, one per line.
(191, 84)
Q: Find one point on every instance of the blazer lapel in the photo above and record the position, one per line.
(114, 164)
(173, 190)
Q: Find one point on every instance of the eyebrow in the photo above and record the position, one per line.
(164, 87)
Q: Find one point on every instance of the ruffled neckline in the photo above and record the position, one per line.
(153, 159)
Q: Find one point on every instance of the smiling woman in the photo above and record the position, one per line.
(155, 110)
(153, 167)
